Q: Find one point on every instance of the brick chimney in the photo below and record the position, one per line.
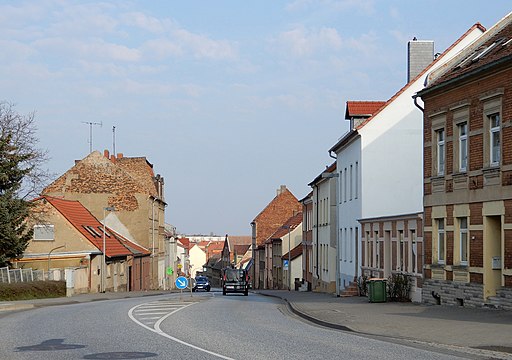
(106, 154)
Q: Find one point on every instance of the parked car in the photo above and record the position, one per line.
(201, 283)
(235, 280)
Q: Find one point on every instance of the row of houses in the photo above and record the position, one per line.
(419, 186)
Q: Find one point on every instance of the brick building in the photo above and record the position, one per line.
(129, 186)
(468, 175)
(284, 205)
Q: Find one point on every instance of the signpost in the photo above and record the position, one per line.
(181, 282)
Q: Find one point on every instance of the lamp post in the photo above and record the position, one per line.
(104, 267)
(289, 258)
(49, 257)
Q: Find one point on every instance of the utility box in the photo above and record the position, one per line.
(377, 290)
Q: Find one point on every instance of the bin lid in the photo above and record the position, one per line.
(377, 279)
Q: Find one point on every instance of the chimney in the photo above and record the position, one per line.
(420, 53)
(281, 189)
(119, 155)
(106, 154)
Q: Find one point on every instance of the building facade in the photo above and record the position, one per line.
(468, 175)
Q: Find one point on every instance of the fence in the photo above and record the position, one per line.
(27, 275)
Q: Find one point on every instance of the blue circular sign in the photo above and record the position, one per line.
(181, 282)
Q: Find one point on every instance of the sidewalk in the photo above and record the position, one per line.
(454, 326)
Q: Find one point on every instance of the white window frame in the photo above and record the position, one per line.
(493, 131)
(356, 182)
(463, 146)
(441, 241)
(49, 228)
(440, 138)
(463, 237)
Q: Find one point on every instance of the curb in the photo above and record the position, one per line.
(310, 318)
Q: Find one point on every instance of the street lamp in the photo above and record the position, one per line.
(49, 257)
(104, 267)
(289, 258)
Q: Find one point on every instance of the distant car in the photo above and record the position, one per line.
(235, 280)
(201, 283)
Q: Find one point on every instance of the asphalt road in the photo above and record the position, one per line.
(205, 326)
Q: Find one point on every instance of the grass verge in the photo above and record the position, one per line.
(32, 290)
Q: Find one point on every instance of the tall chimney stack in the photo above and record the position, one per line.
(420, 53)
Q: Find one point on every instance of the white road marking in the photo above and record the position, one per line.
(156, 326)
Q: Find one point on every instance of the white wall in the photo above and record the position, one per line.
(349, 211)
(197, 259)
(392, 151)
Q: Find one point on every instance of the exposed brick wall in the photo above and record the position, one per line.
(476, 158)
(275, 214)
(507, 260)
(449, 247)
(427, 219)
(476, 213)
(476, 278)
(476, 248)
(427, 241)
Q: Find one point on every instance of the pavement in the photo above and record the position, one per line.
(485, 332)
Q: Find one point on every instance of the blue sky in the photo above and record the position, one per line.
(228, 99)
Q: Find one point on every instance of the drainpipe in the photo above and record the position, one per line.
(415, 97)
(317, 273)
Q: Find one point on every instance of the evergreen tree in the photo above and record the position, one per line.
(20, 178)
(14, 235)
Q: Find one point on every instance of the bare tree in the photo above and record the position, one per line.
(21, 130)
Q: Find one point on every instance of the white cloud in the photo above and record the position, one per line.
(303, 42)
(145, 22)
(203, 47)
(161, 48)
(365, 6)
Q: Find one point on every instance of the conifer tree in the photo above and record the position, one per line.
(20, 176)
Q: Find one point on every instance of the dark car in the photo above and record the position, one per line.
(235, 280)
(201, 283)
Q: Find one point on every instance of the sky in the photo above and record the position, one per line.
(227, 99)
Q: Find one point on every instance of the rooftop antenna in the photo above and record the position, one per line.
(114, 140)
(90, 132)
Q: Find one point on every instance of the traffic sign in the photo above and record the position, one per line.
(170, 271)
(181, 282)
(285, 264)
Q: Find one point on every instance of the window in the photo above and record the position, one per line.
(341, 186)
(356, 185)
(463, 146)
(463, 226)
(345, 186)
(376, 247)
(414, 251)
(440, 241)
(400, 262)
(44, 232)
(351, 182)
(440, 151)
(494, 120)
(368, 249)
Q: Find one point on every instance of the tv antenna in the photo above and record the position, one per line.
(90, 132)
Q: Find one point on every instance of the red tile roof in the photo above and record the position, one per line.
(295, 253)
(493, 47)
(292, 222)
(92, 229)
(362, 108)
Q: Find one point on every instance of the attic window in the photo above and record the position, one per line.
(106, 232)
(507, 42)
(44, 232)
(91, 231)
(485, 51)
